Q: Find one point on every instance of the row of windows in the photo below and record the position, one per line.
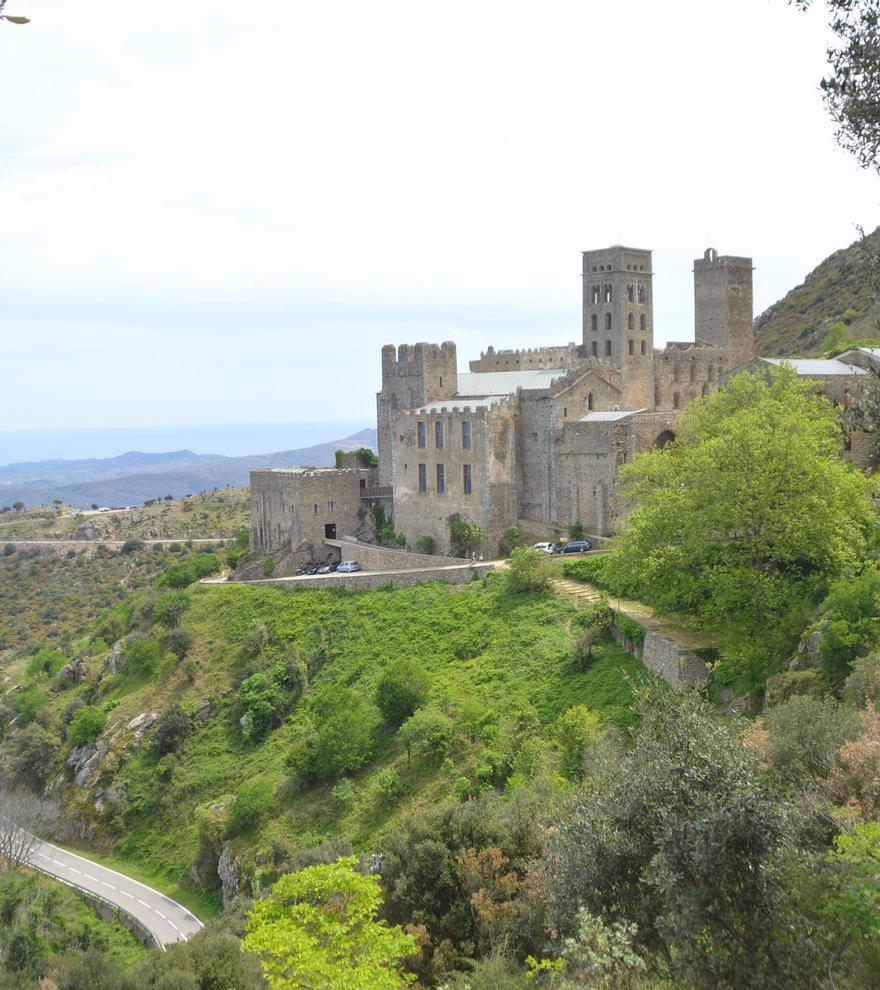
(676, 373)
(605, 293)
(331, 507)
(440, 434)
(467, 478)
(630, 322)
(631, 347)
(629, 268)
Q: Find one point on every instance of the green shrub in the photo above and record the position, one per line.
(263, 702)
(528, 570)
(512, 538)
(33, 758)
(268, 567)
(142, 656)
(385, 787)
(805, 734)
(630, 630)
(426, 544)
(345, 734)
(863, 683)
(169, 609)
(576, 531)
(179, 642)
(46, 661)
(852, 624)
(428, 734)
(401, 689)
(191, 570)
(170, 730)
(29, 702)
(587, 569)
(465, 537)
(254, 801)
(575, 732)
(86, 725)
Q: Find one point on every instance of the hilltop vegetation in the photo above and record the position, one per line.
(837, 305)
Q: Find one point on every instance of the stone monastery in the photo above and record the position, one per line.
(530, 437)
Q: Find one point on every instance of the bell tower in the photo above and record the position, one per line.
(619, 318)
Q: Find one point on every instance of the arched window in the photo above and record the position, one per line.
(595, 348)
(607, 321)
(675, 400)
(608, 293)
(631, 345)
(608, 348)
(644, 347)
(705, 390)
(656, 395)
(594, 323)
(676, 373)
(590, 400)
(631, 322)
(693, 372)
(630, 293)
(642, 294)
(643, 323)
(595, 294)
(711, 372)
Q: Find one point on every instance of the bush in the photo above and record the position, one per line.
(528, 570)
(426, 544)
(29, 702)
(130, 546)
(575, 732)
(254, 801)
(345, 735)
(587, 569)
(576, 531)
(191, 570)
(511, 538)
(465, 537)
(142, 656)
(86, 725)
(169, 609)
(34, 753)
(428, 734)
(171, 728)
(804, 735)
(630, 630)
(45, 661)
(179, 642)
(385, 787)
(268, 567)
(402, 688)
(851, 624)
(863, 683)
(263, 702)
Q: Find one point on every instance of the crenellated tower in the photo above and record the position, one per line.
(413, 375)
(723, 305)
(619, 318)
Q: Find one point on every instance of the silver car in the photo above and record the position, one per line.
(348, 566)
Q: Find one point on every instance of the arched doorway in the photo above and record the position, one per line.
(666, 437)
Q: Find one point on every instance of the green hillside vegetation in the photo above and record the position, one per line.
(836, 306)
(216, 514)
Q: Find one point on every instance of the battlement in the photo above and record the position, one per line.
(408, 359)
(712, 259)
(525, 359)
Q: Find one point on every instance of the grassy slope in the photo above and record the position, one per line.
(483, 649)
(212, 515)
(842, 289)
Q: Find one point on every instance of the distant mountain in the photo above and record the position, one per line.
(132, 478)
(837, 304)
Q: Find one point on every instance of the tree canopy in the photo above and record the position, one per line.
(750, 514)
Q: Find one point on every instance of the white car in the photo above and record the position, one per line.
(348, 567)
(544, 547)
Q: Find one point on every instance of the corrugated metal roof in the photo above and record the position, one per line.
(818, 366)
(459, 401)
(609, 415)
(483, 383)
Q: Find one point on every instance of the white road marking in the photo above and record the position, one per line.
(170, 922)
(105, 884)
(93, 879)
(58, 862)
(44, 856)
(162, 916)
(143, 902)
(73, 869)
(131, 896)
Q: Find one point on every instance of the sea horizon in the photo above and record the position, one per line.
(226, 439)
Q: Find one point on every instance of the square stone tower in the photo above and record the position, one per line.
(723, 305)
(619, 318)
(413, 375)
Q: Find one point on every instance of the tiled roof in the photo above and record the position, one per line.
(483, 383)
(818, 366)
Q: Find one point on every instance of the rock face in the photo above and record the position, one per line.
(140, 723)
(111, 665)
(72, 673)
(227, 871)
(807, 655)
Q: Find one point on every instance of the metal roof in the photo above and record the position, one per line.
(483, 383)
(818, 366)
(609, 415)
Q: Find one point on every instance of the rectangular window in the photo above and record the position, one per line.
(466, 434)
(441, 479)
(331, 506)
(423, 477)
(468, 479)
(316, 508)
(423, 434)
(438, 433)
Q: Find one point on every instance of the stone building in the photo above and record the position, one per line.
(533, 437)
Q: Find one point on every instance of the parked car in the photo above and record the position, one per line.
(348, 566)
(545, 547)
(307, 569)
(327, 568)
(575, 546)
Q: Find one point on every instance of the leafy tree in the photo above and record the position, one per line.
(852, 89)
(86, 725)
(142, 656)
(747, 518)
(318, 929)
(428, 733)
(254, 801)
(426, 544)
(576, 531)
(179, 642)
(366, 457)
(18, 506)
(528, 570)
(851, 624)
(402, 688)
(465, 536)
(169, 609)
(171, 728)
(34, 752)
(263, 702)
(575, 731)
(345, 735)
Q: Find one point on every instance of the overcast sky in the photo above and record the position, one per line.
(216, 212)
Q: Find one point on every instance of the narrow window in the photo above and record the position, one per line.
(565, 412)
(423, 477)
(331, 506)
(468, 479)
(590, 400)
(711, 372)
(364, 483)
(423, 434)
(438, 433)
(607, 348)
(316, 508)
(441, 479)
(675, 400)
(607, 321)
(642, 323)
(608, 293)
(641, 293)
(595, 294)
(595, 348)
(630, 322)
(630, 293)
(632, 346)
(705, 390)
(594, 323)
(693, 372)
(441, 381)
(676, 373)
(466, 434)
(642, 345)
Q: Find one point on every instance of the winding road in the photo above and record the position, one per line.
(165, 919)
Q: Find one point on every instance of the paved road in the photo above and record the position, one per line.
(166, 919)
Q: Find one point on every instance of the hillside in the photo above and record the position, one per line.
(837, 304)
(134, 477)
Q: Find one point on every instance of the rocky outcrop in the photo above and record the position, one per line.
(227, 871)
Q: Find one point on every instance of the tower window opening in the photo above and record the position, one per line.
(565, 412)
(676, 373)
(641, 293)
(608, 348)
(590, 400)
(594, 323)
(711, 372)
(631, 322)
(643, 347)
(630, 293)
(607, 321)
(675, 400)
(595, 294)
(595, 348)
(631, 346)
(643, 323)
(693, 372)
(608, 293)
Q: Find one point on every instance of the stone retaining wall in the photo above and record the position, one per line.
(373, 558)
(677, 665)
(374, 580)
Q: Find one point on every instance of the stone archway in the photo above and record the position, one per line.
(666, 437)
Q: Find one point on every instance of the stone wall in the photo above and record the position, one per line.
(292, 508)
(723, 311)
(662, 655)
(460, 574)
(567, 356)
(686, 371)
(375, 558)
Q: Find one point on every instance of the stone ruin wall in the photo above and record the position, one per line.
(529, 359)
